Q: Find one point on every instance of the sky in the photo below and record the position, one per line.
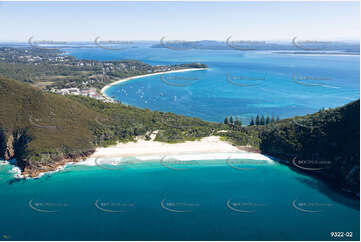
(84, 21)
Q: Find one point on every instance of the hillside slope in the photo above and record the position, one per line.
(43, 130)
(36, 127)
(326, 143)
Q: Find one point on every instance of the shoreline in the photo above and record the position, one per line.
(207, 148)
(144, 75)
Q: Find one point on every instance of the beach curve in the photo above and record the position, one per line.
(145, 75)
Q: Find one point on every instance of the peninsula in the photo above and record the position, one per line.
(43, 131)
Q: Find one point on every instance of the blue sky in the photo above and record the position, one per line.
(84, 21)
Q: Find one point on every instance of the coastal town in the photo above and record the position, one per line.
(54, 71)
(91, 92)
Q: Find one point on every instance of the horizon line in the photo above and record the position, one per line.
(158, 40)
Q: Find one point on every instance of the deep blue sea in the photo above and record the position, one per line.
(237, 83)
(210, 200)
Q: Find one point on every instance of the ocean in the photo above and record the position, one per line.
(238, 83)
(212, 199)
(208, 200)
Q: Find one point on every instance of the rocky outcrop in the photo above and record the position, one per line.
(9, 148)
(13, 146)
(33, 169)
(7, 151)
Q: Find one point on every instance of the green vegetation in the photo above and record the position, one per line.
(125, 122)
(263, 120)
(327, 142)
(40, 128)
(48, 69)
(37, 127)
(236, 122)
(331, 136)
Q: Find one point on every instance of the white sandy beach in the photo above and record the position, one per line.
(208, 148)
(145, 75)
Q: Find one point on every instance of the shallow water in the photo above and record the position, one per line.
(199, 200)
(237, 83)
(206, 200)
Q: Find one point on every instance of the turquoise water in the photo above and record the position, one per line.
(260, 204)
(237, 83)
(209, 200)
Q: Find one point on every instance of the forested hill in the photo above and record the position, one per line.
(326, 143)
(44, 130)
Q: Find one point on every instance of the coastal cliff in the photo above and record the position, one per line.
(13, 146)
(6, 146)
(43, 131)
(325, 144)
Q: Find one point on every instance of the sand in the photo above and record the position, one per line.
(207, 148)
(145, 75)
